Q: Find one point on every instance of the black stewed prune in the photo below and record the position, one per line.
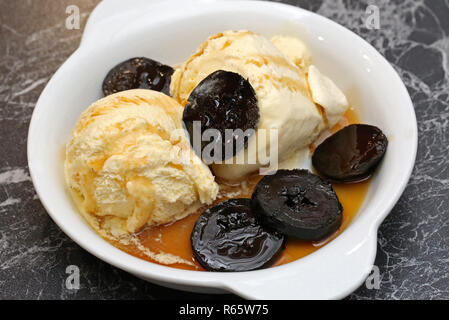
(297, 203)
(227, 237)
(351, 154)
(223, 100)
(137, 73)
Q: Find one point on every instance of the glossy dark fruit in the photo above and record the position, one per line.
(297, 203)
(227, 237)
(351, 154)
(138, 73)
(223, 100)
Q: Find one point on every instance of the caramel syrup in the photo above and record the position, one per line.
(174, 238)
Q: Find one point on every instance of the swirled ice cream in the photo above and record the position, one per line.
(129, 165)
(285, 82)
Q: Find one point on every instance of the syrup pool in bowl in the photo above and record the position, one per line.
(174, 238)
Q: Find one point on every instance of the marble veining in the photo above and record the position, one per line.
(413, 244)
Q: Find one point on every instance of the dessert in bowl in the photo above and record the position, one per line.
(357, 245)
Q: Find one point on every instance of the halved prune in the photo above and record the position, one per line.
(223, 100)
(351, 154)
(297, 203)
(227, 237)
(137, 73)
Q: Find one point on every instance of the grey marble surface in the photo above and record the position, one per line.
(413, 245)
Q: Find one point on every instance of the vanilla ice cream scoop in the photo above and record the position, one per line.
(281, 87)
(128, 163)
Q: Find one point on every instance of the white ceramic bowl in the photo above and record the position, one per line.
(170, 31)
